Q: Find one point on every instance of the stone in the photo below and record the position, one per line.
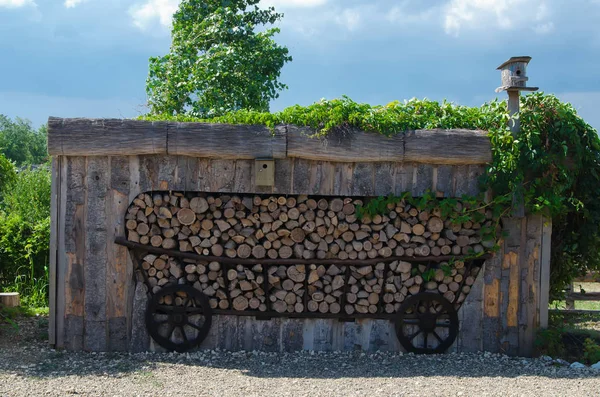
(577, 365)
(596, 366)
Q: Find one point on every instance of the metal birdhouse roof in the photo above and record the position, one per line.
(525, 59)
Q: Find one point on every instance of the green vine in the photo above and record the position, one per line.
(553, 164)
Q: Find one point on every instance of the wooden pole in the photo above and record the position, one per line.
(515, 127)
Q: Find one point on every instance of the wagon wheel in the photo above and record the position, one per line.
(184, 323)
(426, 323)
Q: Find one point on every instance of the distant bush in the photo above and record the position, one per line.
(25, 235)
(21, 143)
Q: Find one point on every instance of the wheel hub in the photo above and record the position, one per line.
(427, 322)
(178, 319)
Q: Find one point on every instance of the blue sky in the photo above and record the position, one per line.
(88, 58)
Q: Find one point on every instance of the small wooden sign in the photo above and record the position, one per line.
(264, 172)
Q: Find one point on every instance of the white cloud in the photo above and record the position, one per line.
(503, 14)
(73, 3)
(148, 14)
(349, 18)
(16, 3)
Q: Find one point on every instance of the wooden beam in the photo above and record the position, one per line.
(458, 147)
(99, 137)
(588, 296)
(226, 141)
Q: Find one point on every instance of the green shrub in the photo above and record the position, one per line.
(7, 174)
(549, 342)
(25, 236)
(591, 351)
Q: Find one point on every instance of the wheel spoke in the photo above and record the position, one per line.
(438, 337)
(198, 327)
(410, 321)
(413, 336)
(170, 332)
(185, 338)
(425, 339)
(442, 325)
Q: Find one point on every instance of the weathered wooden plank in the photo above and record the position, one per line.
(301, 175)
(140, 340)
(322, 335)
(424, 180)
(443, 183)
(134, 177)
(382, 335)
(117, 334)
(460, 180)
(204, 175)
(222, 175)
(544, 288)
(120, 178)
(226, 141)
(384, 178)
(363, 179)
(447, 147)
(191, 174)
(53, 252)
(475, 173)
(97, 183)
(470, 338)
(102, 137)
(491, 304)
(343, 182)
(314, 177)
(148, 172)
(531, 271)
(404, 178)
(326, 185)
(344, 146)
(292, 337)
(283, 176)
(73, 332)
(244, 176)
(167, 168)
(61, 266)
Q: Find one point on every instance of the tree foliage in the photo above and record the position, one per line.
(554, 162)
(218, 62)
(21, 143)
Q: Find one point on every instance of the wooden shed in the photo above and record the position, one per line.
(100, 166)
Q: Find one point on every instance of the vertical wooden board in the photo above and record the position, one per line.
(364, 179)
(292, 335)
(191, 174)
(266, 335)
(424, 180)
(491, 304)
(460, 180)
(337, 335)
(96, 258)
(180, 175)
(351, 331)
(228, 334)
(343, 182)
(382, 336)
(384, 178)
(471, 318)
(120, 177)
(283, 176)
(475, 173)
(364, 337)
(327, 178)
(443, 184)
(544, 284)
(322, 334)
(117, 334)
(308, 334)
(204, 175)
(532, 264)
(403, 178)
(148, 169)
(54, 228)
(244, 177)
(73, 332)
(134, 178)
(76, 172)
(301, 172)
(314, 177)
(61, 266)
(222, 173)
(167, 168)
(523, 311)
(511, 314)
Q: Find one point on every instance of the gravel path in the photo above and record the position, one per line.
(29, 368)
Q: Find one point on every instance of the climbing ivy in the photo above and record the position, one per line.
(553, 164)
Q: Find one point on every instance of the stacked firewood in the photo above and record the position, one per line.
(246, 288)
(294, 227)
(365, 283)
(325, 288)
(204, 276)
(287, 288)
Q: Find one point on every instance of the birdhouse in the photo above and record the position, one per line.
(514, 75)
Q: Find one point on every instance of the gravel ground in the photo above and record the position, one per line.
(29, 368)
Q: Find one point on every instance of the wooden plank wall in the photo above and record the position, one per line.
(96, 294)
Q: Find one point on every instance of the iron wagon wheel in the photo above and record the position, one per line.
(178, 317)
(427, 323)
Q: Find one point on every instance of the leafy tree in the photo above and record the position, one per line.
(7, 174)
(21, 143)
(218, 62)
